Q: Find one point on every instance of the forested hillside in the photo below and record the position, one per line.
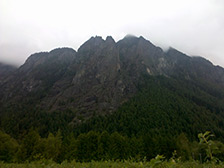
(111, 100)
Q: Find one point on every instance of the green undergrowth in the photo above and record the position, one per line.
(113, 164)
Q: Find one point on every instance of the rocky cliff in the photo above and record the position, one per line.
(100, 76)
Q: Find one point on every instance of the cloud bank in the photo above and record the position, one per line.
(29, 26)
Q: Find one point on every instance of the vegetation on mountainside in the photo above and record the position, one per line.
(104, 146)
(165, 107)
(166, 115)
(162, 106)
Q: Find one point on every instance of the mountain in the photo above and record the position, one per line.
(5, 70)
(38, 74)
(130, 86)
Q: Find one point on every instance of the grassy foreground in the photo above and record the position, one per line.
(111, 164)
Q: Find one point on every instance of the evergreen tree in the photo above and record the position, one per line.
(8, 147)
(183, 147)
(27, 150)
(53, 146)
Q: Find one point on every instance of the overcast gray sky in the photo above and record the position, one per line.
(195, 27)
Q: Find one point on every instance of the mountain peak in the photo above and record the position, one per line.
(132, 38)
(62, 49)
(110, 39)
(129, 36)
(92, 42)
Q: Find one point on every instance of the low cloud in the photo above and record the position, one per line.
(193, 27)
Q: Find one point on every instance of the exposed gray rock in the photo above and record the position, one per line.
(101, 76)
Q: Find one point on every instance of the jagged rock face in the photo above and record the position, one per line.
(100, 76)
(37, 75)
(140, 56)
(193, 68)
(93, 81)
(106, 73)
(5, 72)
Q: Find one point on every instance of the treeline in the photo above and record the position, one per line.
(161, 107)
(102, 146)
(164, 107)
(152, 122)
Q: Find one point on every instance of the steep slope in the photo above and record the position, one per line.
(33, 80)
(107, 73)
(164, 107)
(5, 72)
(94, 74)
(195, 68)
(63, 88)
(100, 77)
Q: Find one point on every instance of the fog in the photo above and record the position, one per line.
(195, 27)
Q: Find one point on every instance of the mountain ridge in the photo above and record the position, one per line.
(103, 75)
(131, 54)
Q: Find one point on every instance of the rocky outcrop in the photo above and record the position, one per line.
(37, 75)
(100, 76)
